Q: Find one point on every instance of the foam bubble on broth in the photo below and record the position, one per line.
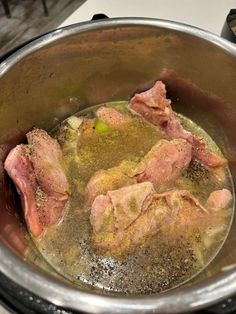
(163, 262)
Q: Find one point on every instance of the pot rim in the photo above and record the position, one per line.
(184, 300)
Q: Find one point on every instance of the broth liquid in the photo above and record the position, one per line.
(163, 262)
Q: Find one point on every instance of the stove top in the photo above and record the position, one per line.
(17, 300)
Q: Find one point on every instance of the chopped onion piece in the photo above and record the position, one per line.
(199, 255)
(207, 241)
(74, 122)
(213, 231)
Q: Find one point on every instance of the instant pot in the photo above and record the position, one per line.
(69, 69)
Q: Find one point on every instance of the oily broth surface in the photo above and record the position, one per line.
(165, 261)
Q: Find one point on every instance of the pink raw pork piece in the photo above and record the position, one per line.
(36, 169)
(125, 218)
(153, 106)
(112, 117)
(162, 165)
(165, 162)
(219, 199)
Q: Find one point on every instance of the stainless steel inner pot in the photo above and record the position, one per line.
(89, 63)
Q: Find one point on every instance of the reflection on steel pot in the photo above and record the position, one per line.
(81, 65)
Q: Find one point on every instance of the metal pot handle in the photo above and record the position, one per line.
(99, 16)
(230, 22)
